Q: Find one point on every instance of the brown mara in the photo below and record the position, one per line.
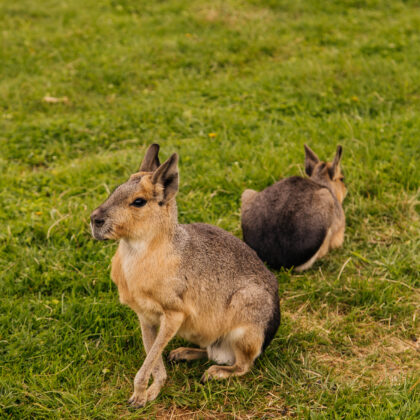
(296, 221)
(196, 280)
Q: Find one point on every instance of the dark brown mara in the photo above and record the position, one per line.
(196, 280)
(297, 220)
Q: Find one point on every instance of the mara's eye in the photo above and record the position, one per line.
(342, 178)
(138, 202)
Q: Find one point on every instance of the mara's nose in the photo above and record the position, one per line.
(97, 218)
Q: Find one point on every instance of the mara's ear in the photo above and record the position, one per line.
(336, 162)
(151, 159)
(311, 159)
(167, 176)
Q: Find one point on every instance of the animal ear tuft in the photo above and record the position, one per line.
(151, 159)
(167, 176)
(311, 159)
(336, 162)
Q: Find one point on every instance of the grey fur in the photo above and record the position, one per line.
(237, 279)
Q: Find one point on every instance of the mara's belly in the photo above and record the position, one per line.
(194, 337)
(202, 331)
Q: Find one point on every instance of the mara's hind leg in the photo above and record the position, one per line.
(308, 264)
(187, 353)
(246, 349)
(338, 238)
(325, 247)
(319, 254)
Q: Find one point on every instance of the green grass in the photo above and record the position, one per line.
(265, 76)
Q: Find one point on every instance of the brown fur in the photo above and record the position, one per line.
(297, 220)
(196, 281)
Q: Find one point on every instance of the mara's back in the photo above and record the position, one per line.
(211, 252)
(287, 222)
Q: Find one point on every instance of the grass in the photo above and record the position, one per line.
(264, 77)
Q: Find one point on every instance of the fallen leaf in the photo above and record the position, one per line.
(53, 100)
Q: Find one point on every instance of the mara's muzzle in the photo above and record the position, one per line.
(99, 225)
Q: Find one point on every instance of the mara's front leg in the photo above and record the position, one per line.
(149, 333)
(170, 323)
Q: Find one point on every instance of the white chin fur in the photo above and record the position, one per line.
(95, 234)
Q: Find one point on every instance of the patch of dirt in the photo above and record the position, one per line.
(271, 411)
(374, 353)
(230, 16)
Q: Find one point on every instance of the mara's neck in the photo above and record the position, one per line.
(324, 182)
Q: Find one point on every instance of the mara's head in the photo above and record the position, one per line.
(142, 206)
(326, 172)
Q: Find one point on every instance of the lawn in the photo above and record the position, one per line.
(236, 87)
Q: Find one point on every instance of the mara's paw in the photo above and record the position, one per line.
(153, 391)
(185, 353)
(216, 372)
(138, 399)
